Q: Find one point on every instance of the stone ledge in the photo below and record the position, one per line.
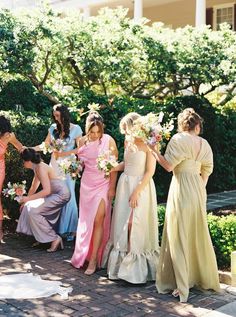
(225, 277)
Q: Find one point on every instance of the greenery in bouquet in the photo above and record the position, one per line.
(72, 165)
(106, 161)
(15, 191)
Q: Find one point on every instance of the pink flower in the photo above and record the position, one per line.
(19, 191)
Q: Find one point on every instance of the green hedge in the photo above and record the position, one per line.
(222, 230)
(219, 129)
(223, 233)
(20, 92)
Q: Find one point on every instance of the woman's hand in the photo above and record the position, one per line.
(111, 193)
(23, 199)
(133, 200)
(57, 154)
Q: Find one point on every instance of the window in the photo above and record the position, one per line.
(224, 13)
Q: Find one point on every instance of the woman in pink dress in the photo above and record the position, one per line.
(6, 136)
(96, 193)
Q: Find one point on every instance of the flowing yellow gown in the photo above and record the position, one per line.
(187, 256)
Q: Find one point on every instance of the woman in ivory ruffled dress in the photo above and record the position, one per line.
(133, 249)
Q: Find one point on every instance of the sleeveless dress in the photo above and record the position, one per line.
(69, 214)
(93, 188)
(3, 148)
(39, 217)
(136, 261)
(187, 256)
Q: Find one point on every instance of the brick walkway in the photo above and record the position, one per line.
(92, 295)
(219, 200)
(95, 295)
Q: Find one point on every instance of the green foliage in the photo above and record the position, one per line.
(111, 54)
(222, 230)
(161, 210)
(223, 233)
(21, 93)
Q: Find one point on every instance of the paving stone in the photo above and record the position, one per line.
(96, 296)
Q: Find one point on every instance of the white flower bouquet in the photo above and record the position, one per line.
(106, 161)
(72, 165)
(15, 191)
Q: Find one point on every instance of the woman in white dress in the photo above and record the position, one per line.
(133, 249)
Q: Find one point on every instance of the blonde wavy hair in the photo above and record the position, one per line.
(127, 122)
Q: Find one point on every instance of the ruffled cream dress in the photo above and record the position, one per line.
(187, 256)
(135, 262)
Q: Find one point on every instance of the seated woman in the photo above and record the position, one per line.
(41, 210)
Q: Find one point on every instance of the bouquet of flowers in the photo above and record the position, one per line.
(106, 161)
(15, 191)
(45, 148)
(56, 144)
(150, 129)
(71, 165)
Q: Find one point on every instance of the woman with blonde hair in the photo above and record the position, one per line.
(96, 193)
(187, 256)
(133, 249)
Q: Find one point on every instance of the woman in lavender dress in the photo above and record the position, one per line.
(41, 210)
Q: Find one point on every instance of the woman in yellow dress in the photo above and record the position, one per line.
(187, 256)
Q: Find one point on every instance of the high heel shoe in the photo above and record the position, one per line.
(57, 243)
(91, 267)
(175, 293)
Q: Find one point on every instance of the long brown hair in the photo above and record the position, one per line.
(94, 119)
(65, 121)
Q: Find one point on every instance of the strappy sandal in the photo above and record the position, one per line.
(175, 293)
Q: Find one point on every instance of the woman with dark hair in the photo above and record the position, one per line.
(41, 210)
(70, 134)
(6, 136)
(96, 193)
(187, 256)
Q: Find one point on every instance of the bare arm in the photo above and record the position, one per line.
(67, 153)
(43, 178)
(113, 176)
(204, 178)
(119, 168)
(16, 143)
(34, 185)
(161, 160)
(149, 172)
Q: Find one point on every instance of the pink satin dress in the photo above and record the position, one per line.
(3, 148)
(94, 187)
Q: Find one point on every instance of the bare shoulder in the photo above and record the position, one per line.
(112, 142)
(82, 140)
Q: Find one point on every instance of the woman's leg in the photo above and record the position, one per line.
(129, 228)
(1, 231)
(1, 220)
(96, 237)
